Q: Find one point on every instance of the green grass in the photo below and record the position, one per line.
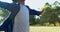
(44, 29)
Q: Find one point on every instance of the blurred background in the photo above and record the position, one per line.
(50, 19)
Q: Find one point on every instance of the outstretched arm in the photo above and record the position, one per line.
(33, 12)
(4, 5)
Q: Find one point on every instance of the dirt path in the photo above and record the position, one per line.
(44, 29)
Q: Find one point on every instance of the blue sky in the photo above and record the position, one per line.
(35, 4)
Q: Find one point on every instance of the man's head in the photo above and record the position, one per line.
(14, 0)
(19, 1)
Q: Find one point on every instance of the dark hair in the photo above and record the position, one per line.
(15, 0)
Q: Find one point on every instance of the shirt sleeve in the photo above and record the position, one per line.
(33, 12)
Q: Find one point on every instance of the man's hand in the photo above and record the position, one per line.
(43, 12)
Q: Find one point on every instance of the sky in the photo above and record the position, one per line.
(35, 4)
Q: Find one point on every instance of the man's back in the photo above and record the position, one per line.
(21, 23)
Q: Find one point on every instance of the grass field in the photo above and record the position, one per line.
(44, 29)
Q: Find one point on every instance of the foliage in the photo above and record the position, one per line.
(32, 20)
(51, 15)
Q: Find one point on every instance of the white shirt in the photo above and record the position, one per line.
(21, 23)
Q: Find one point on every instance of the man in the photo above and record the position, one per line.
(21, 22)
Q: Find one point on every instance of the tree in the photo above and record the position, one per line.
(51, 15)
(45, 18)
(32, 20)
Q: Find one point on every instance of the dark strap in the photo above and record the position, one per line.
(14, 8)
